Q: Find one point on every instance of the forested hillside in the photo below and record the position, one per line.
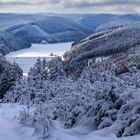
(101, 44)
(9, 42)
(52, 29)
(35, 28)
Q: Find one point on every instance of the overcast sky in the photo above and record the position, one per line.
(71, 6)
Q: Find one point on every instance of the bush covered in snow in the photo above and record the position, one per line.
(38, 119)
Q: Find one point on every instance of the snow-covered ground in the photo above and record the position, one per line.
(11, 129)
(26, 58)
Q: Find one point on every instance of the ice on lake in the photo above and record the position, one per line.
(26, 58)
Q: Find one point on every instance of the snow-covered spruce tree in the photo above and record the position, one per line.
(55, 69)
(42, 84)
(27, 91)
(41, 78)
(9, 74)
(35, 76)
(14, 95)
(43, 70)
(24, 93)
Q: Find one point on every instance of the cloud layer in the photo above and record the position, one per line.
(98, 6)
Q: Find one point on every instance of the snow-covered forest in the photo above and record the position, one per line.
(105, 97)
(91, 91)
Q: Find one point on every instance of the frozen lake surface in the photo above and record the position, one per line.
(42, 50)
(26, 58)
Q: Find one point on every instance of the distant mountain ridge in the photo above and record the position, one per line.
(94, 21)
(54, 27)
(50, 28)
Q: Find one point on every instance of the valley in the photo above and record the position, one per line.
(69, 76)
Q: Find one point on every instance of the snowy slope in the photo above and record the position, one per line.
(11, 129)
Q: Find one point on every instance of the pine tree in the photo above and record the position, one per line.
(10, 73)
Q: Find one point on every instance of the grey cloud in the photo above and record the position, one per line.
(12, 3)
(84, 4)
(32, 2)
(72, 4)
